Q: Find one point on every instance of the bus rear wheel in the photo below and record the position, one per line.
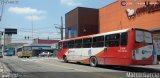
(65, 59)
(27, 56)
(93, 61)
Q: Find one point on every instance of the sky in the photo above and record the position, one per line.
(43, 15)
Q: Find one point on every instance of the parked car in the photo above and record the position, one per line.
(46, 54)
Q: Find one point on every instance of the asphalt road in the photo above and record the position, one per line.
(52, 68)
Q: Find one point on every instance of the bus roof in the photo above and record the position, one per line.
(101, 34)
(112, 32)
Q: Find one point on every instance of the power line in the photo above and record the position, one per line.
(38, 29)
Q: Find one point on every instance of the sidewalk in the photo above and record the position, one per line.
(4, 70)
(155, 66)
(152, 66)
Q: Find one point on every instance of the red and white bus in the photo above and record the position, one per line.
(122, 47)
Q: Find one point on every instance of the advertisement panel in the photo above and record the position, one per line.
(143, 36)
(156, 41)
(10, 31)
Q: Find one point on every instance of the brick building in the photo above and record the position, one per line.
(123, 14)
(81, 21)
(134, 13)
(42, 41)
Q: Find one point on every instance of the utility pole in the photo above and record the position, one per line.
(32, 26)
(2, 11)
(4, 30)
(60, 27)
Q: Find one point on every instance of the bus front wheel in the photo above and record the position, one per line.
(27, 56)
(65, 59)
(93, 61)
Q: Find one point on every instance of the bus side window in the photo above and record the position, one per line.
(71, 44)
(98, 41)
(65, 44)
(87, 43)
(112, 40)
(78, 43)
(19, 49)
(124, 38)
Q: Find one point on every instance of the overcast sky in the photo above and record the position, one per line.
(44, 13)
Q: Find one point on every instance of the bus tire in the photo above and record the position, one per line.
(65, 59)
(93, 61)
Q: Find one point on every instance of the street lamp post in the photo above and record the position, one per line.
(32, 26)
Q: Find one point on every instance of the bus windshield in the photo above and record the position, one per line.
(143, 36)
(27, 48)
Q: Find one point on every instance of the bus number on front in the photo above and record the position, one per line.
(122, 49)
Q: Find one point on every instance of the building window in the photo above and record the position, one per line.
(98, 41)
(112, 40)
(72, 31)
(87, 43)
